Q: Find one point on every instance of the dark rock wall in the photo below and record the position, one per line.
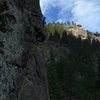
(22, 66)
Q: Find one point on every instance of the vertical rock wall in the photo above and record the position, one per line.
(22, 66)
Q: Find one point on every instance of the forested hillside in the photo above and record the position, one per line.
(74, 64)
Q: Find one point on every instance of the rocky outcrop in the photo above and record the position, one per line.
(77, 31)
(22, 66)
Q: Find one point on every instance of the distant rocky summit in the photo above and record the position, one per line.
(77, 31)
(71, 29)
(22, 66)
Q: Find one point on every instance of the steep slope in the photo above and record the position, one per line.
(71, 28)
(73, 63)
(22, 66)
(73, 69)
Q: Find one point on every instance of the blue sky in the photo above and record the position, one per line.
(84, 12)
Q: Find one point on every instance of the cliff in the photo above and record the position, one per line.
(73, 64)
(22, 66)
(77, 31)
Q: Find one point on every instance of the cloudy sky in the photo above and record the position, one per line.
(84, 12)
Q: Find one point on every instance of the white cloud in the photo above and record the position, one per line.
(47, 4)
(84, 12)
(87, 13)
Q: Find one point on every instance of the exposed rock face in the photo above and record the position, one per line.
(22, 66)
(77, 31)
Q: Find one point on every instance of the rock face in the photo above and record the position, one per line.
(77, 31)
(22, 66)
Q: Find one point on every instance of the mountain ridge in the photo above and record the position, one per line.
(76, 30)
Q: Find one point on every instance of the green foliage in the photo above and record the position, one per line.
(56, 36)
(54, 86)
(75, 75)
(52, 27)
(64, 37)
